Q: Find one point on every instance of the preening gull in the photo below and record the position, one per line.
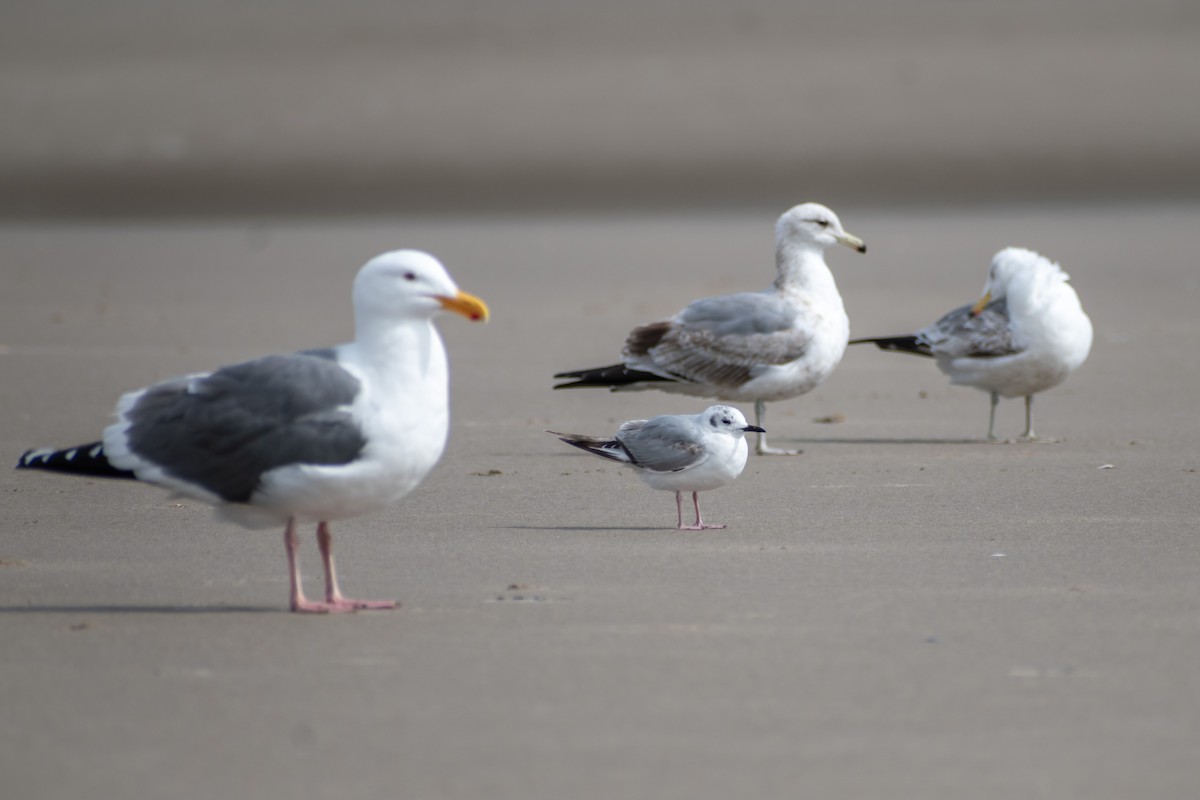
(753, 346)
(678, 452)
(1025, 335)
(314, 436)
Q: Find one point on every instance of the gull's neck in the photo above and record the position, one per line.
(802, 267)
(404, 406)
(412, 345)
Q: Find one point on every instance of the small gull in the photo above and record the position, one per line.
(313, 436)
(678, 452)
(1025, 335)
(752, 346)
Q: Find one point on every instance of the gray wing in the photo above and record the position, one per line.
(960, 333)
(222, 431)
(663, 444)
(721, 340)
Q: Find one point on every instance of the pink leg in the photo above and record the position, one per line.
(298, 603)
(333, 597)
(700, 523)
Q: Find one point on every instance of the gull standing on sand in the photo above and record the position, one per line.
(678, 452)
(753, 346)
(1025, 335)
(308, 437)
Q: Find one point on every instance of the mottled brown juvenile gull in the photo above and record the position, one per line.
(313, 436)
(678, 452)
(1025, 335)
(753, 346)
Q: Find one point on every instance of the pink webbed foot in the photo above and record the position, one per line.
(333, 596)
(333, 603)
(699, 524)
(342, 604)
(304, 606)
(702, 526)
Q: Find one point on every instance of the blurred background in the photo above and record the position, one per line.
(227, 107)
(187, 183)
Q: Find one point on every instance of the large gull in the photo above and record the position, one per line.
(752, 346)
(678, 452)
(1025, 335)
(314, 436)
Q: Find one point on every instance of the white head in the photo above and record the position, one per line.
(1018, 271)
(729, 420)
(814, 225)
(410, 284)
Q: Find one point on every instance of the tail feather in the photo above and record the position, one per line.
(900, 344)
(86, 459)
(611, 449)
(610, 377)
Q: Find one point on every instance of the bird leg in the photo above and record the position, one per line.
(700, 525)
(992, 416)
(1029, 435)
(298, 603)
(333, 596)
(760, 415)
(1029, 419)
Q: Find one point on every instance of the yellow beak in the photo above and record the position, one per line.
(468, 305)
(851, 241)
(981, 304)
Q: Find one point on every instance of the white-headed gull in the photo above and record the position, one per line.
(314, 436)
(1025, 335)
(678, 452)
(752, 346)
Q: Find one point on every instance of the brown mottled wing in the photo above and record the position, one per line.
(959, 333)
(723, 341)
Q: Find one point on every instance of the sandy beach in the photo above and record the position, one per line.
(903, 611)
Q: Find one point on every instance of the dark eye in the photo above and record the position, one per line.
(726, 421)
(824, 223)
(410, 276)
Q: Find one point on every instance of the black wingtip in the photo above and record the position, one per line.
(86, 459)
(900, 344)
(613, 376)
(887, 342)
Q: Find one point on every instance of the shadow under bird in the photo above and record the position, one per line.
(1025, 335)
(678, 452)
(753, 346)
(313, 436)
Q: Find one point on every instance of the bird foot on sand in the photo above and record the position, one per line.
(342, 605)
